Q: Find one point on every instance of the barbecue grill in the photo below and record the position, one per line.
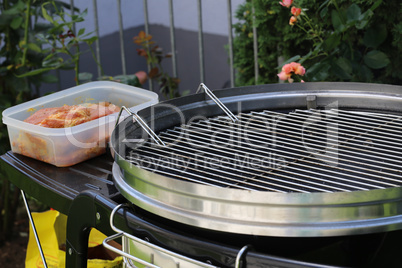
(298, 172)
(238, 176)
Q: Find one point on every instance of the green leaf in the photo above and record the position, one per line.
(15, 9)
(375, 5)
(306, 57)
(331, 42)
(34, 72)
(84, 77)
(317, 72)
(34, 47)
(52, 62)
(5, 20)
(376, 59)
(344, 64)
(89, 41)
(326, 3)
(134, 81)
(375, 35)
(364, 19)
(342, 68)
(16, 22)
(81, 31)
(337, 21)
(323, 12)
(49, 78)
(365, 73)
(353, 13)
(295, 58)
(361, 24)
(46, 15)
(185, 92)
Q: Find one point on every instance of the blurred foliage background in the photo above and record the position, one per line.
(353, 41)
(36, 37)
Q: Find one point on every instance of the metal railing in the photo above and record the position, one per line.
(172, 39)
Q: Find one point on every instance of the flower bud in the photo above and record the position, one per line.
(286, 3)
(292, 20)
(295, 11)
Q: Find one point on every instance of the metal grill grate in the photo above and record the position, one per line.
(302, 151)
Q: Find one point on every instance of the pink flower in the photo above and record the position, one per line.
(284, 76)
(300, 70)
(295, 11)
(294, 65)
(292, 20)
(289, 69)
(286, 3)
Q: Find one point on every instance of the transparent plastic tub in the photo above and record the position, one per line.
(68, 146)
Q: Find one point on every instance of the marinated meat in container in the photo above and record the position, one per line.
(72, 125)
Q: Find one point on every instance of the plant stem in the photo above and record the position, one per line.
(94, 57)
(316, 33)
(301, 27)
(27, 18)
(76, 59)
(316, 56)
(7, 39)
(77, 71)
(336, 5)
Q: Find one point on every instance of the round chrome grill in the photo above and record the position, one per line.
(299, 160)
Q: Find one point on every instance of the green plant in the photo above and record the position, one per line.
(168, 85)
(61, 40)
(25, 63)
(63, 45)
(275, 40)
(20, 53)
(336, 40)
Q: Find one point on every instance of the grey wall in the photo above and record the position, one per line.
(185, 13)
(216, 58)
(215, 26)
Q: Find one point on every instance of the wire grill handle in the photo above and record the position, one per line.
(120, 233)
(241, 255)
(217, 101)
(143, 125)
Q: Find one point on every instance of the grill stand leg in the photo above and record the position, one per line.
(85, 213)
(33, 228)
(79, 222)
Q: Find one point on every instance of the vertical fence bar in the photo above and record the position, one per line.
(146, 26)
(255, 47)
(97, 46)
(75, 32)
(200, 43)
(280, 61)
(121, 35)
(72, 12)
(230, 36)
(172, 38)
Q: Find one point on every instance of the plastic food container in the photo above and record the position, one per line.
(68, 146)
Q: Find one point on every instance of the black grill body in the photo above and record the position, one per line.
(87, 193)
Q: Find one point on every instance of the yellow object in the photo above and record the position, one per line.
(51, 228)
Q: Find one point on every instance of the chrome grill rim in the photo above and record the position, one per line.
(292, 214)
